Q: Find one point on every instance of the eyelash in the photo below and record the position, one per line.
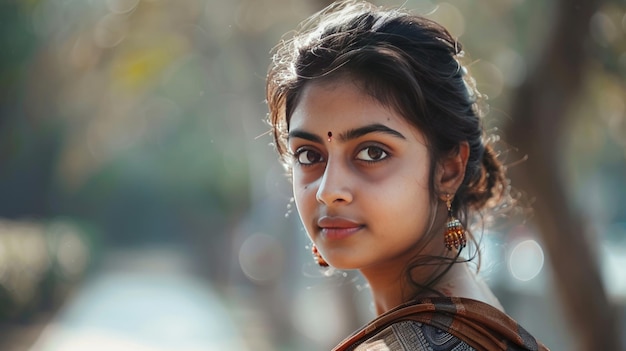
(296, 155)
(385, 153)
(300, 151)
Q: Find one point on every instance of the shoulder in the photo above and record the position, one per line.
(413, 336)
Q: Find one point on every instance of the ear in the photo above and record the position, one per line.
(451, 170)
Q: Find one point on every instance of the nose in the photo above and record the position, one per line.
(335, 187)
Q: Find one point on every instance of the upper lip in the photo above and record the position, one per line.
(336, 222)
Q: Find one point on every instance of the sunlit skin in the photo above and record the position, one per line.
(360, 182)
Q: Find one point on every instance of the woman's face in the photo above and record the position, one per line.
(360, 177)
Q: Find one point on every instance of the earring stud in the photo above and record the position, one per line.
(318, 257)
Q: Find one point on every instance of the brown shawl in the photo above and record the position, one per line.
(474, 323)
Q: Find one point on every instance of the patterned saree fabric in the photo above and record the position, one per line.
(442, 324)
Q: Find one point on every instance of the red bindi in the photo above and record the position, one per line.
(330, 136)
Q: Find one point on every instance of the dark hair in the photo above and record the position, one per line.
(404, 61)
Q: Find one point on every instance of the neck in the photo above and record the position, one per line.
(392, 287)
(388, 289)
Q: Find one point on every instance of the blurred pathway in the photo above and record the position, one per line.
(144, 301)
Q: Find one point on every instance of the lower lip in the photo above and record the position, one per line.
(339, 233)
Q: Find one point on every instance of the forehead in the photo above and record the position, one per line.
(342, 103)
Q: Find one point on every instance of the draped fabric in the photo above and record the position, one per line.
(442, 324)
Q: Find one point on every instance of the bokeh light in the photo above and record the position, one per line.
(602, 29)
(526, 260)
(512, 66)
(318, 306)
(450, 16)
(261, 258)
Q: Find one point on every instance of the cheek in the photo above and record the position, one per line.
(408, 196)
(304, 198)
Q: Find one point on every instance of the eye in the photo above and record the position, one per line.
(372, 154)
(308, 157)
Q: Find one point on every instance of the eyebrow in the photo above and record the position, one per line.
(370, 128)
(304, 135)
(348, 135)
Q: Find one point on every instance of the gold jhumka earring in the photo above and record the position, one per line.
(317, 257)
(454, 236)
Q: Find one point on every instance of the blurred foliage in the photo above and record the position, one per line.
(40, 263)
(116, 117)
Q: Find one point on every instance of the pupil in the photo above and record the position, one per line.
(374, 153)
(311, 156)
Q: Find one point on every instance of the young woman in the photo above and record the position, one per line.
(377, 121)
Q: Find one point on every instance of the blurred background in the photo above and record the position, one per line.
(142, 206)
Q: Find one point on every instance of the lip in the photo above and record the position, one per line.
(336, 228)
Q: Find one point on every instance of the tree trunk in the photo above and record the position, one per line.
(539, 114)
